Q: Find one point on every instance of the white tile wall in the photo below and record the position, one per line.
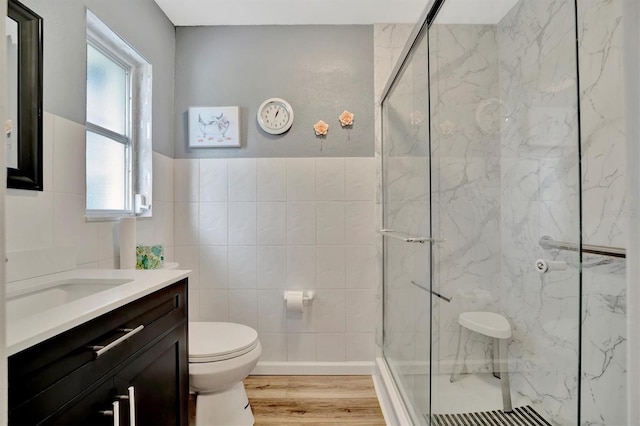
(360, 346)
(241, 263)
(274, 346)
(186, 180)
(301, 347)
(29, 223)
(331, 347)
(213, 224)
(69, 160)
(214, 305)
(55, 217)
(296, 223)
(188, 257)
(330, 183)
(213, 267)
(272, 316)
(272, 223)
(213, 180)
(301, 222)
(162, 177)
(330, 220)
(186, 223)
(330, 311)
(243, 307)
(301, 267)
(247, 228)
(301, 179)
(360, 267)
(242, 179)
(145, 231)
(359, 173)
(360, 220)
(272, 267)
(242, 224)
(272, 179)
(330, 267)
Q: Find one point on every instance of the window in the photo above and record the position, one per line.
(118, 147)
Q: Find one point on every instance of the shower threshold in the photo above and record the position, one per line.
(521, 416)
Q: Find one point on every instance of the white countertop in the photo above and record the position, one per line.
(25, 332)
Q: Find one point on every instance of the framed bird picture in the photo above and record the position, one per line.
(214, 127)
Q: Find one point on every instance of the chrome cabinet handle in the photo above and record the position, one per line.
(131, 397)
(101, 350)
(406, 238)
(132, 406)
(115, 413)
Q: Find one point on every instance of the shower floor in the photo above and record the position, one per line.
(520, 416)
(470, 393)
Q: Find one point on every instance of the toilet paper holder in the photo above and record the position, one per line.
(307, 296)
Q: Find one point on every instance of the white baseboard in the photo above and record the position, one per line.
(285, 368)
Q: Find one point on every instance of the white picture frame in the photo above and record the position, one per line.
(214, 127)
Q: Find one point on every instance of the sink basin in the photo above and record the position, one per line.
(23, 303)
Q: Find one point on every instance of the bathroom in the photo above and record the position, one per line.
(299, 211)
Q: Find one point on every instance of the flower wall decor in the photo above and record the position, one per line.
(447, 128)
(416, 117)
(321, 128)
(346, 118)
(346, 121)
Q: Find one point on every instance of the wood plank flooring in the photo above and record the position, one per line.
(313, 400)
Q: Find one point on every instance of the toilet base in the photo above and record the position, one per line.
(229, 407)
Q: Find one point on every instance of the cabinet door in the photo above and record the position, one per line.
(160, 379)
(89, 409)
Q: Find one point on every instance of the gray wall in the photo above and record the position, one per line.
(140, 22)
(319, 70)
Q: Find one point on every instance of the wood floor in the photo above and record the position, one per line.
(313, 400)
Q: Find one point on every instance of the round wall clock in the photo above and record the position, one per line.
(275, 116)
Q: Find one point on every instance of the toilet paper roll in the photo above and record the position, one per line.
(295, 301)
(128, 243)
(543, 265)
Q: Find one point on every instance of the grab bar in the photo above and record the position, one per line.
(546, 242)
(435, 293)
(406, 238)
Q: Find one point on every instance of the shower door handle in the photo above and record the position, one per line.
(406, 238)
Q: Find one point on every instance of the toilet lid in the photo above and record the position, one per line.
(217, 341)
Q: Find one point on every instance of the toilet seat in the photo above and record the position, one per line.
(219, 341)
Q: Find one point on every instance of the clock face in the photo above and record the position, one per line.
(275, 116)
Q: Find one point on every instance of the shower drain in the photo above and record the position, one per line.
(521, 416)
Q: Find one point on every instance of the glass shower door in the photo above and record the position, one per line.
(406, 212)
(504, 175)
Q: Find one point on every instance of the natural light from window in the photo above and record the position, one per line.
(118, 156)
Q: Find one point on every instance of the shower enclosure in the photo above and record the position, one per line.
(481, 189)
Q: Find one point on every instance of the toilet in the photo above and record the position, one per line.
(221, 356)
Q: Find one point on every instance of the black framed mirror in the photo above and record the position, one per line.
(24, 92)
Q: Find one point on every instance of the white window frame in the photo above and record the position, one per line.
(137, 136)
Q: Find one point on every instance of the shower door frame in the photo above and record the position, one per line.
(421, 29)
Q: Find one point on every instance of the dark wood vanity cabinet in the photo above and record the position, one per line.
(63, 382)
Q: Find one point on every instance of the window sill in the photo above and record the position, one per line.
(106, 217)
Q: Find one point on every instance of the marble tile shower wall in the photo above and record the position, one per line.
(540, 195)
(465, 188)
(54, 218)
(252, 228)
(603, 216)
